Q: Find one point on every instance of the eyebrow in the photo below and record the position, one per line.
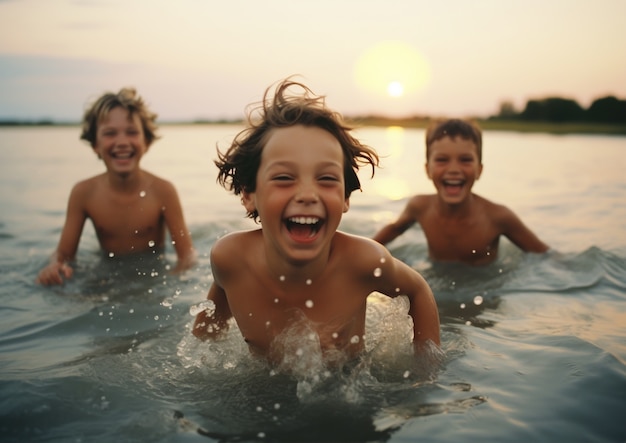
(279, 163)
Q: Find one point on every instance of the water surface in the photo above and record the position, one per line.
(534, 346)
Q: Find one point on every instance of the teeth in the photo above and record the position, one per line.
(304, 220)
(122, 154)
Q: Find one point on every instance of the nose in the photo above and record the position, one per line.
(454, 165)
(306, 194)
(121, 139)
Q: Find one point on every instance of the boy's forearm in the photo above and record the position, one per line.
(206, 326)
(186, 260)
(426, 328)
(386, 235)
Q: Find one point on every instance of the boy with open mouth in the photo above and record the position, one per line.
(295, 168)
(459, 225)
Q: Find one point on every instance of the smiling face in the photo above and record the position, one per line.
(453, 166)
(299, 195)
(120, 141)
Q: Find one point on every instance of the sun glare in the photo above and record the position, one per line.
(395, 89)
(393, 69)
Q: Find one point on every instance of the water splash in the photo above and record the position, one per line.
(207, 306)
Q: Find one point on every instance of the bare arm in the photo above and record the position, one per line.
(58, 268)
(397, 278)
(407, 218)
(516, 231)
(212, 322)
(175, 221)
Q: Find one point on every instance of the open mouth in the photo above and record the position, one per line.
(303, 228)
(123, 155)
(453, 186)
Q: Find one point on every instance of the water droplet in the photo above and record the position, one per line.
(462, 305)
(468, 323)
(166, 303)
(383, 260)
(277, 406)
(406, 374)
(281, 278)
(259, 408)
(156, 317)
(378, 272)
(136, 231)
(267, 324)
(478, 300)
(308, 303)
(299, 352)
(335, 335)
(207, 306)
(131, 311)
(111, 254)
(309, 281)
(250, 314)
(151, 243)
(397, 289)
(142, 194)
(275, 300)
(355, 339)
(261, 435)
(473, 251)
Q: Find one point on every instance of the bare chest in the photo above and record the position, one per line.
(270, 315)
(471, 241)
(126, 225)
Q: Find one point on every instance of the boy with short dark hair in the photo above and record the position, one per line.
(459, 225)
(295, 169)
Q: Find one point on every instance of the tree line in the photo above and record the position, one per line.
(608, 109)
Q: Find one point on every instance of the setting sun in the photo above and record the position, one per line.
(395, 89)
(392, 68)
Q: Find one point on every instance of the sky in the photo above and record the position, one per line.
(206, 59)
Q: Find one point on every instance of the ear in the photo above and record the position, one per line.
(248, 201)
(346, 205)
(427, 170)
(480, 171)
(95, 151)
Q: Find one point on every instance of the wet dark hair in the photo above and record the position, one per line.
(452, 128)
(126, 98)
(238, 166)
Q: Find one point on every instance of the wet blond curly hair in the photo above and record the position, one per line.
(239, 164)
(126, 98)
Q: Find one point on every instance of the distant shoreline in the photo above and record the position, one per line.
(417, 122)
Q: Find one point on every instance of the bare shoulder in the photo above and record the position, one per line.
(158, 184)
(420, 202)
(235, 245)
(497, 212)
(358, 250)
(84, 188)
(494, 209)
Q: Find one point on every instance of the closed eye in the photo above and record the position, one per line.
(282, 178)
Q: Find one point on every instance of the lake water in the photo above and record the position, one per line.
(534, 346)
